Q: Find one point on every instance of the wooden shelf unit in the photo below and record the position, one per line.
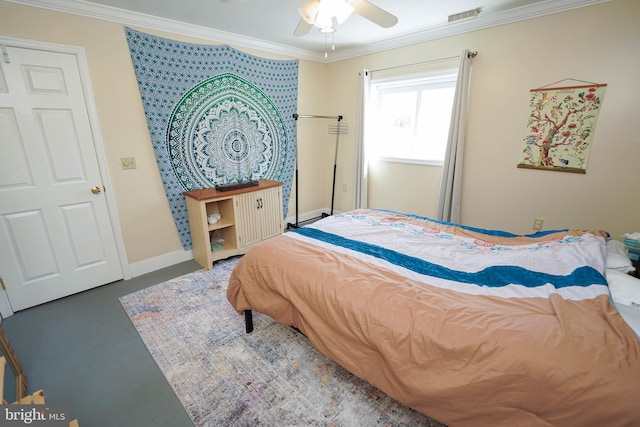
(248, 216)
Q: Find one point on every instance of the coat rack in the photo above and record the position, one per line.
(335, 161)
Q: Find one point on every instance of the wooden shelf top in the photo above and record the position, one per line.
(212, 193)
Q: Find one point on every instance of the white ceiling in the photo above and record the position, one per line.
(269, 24)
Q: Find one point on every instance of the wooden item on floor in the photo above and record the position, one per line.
(247, 216)
(36, 398)
(14, 364)
(22, 398)
(3, 363)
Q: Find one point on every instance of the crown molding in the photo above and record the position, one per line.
(480, 23)
(108, 13)
(125, 17)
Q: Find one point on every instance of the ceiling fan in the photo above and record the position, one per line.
(328, 14)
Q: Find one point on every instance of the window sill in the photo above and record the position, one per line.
(438, 163)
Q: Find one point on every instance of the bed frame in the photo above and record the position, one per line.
(248, 321)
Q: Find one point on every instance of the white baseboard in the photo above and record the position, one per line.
(158, 262)
(307, 216)
(166, 260)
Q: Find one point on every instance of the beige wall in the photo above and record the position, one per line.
(404, 187)
(145, 217)
(597, 44)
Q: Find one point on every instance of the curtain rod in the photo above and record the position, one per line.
(431, 61)
(300, 116)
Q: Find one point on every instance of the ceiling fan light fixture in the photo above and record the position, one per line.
(341, 10)
(323, 20)
(325, 14)
(309, 11)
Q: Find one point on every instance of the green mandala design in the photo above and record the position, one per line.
(223, 130)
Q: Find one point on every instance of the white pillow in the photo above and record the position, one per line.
(618, 256)
(631, 315)
(625, 289)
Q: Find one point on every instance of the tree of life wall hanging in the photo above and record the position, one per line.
(560, 127)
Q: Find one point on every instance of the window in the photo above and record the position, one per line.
(411, 118)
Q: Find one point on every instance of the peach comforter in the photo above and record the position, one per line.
(470, 327)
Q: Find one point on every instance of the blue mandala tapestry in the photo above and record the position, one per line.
(216, 115)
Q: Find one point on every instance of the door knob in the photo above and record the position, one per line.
(96, 190)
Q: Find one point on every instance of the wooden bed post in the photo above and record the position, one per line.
(248, 321)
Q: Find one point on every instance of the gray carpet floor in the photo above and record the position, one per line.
(85, 354)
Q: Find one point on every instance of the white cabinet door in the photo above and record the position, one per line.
(248, 218)
(259, 215)
(271, 212)
(56, 237)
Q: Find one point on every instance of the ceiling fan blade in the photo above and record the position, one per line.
(302, 29)
(373, 13)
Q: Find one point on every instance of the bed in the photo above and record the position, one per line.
(471, 327)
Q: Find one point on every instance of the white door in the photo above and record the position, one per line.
(56, 237)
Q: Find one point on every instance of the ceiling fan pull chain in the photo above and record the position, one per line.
(325, 46)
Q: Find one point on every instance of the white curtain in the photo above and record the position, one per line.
(448, 208)
(361, 166)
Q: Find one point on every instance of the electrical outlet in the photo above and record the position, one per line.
(537, 223)
(128, 162)
(344, 187)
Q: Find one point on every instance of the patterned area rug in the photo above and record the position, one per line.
(273, 376)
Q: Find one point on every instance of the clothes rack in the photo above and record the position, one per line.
(335, 161)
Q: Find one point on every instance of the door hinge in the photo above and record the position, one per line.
(4, 288)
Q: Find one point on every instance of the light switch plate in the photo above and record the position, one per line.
(128, 162)
(537, 223)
